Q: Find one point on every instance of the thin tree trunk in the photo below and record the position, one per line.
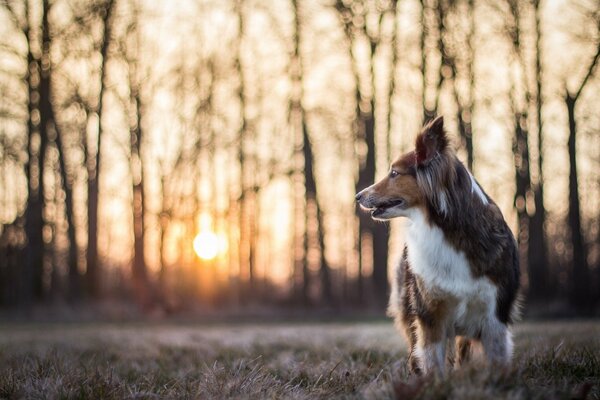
(363, 219)
(93, 275)
(139, 272)
(34, 224)
(464, 108)
(74, 286)
(580, 285)
(162, 276)
(35, 249)
(367, 227)
(520, 139)
(537, 252)
(163, 223)
(311, 193)
(365, 132)
(311, 197)
(428, 113)
(246, 257)
(379, 232)
(74, 278)
(137, 165)
(465, 130)
(34, 221)
(522, 179)
(392, 84)
(359, 132)
(465, 113)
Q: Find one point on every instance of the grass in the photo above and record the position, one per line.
(361, 360)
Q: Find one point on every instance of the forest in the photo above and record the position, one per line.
(205, 153)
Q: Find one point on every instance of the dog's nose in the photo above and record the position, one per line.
(358, 196)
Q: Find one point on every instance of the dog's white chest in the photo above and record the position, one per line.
(446, 273)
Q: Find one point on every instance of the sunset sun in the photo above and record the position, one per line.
(206, 245)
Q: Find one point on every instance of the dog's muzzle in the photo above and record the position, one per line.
(376, 207)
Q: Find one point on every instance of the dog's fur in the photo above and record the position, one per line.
(458, 278)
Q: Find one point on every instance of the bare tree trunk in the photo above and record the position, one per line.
(379, 232)
(74, 285)
(246, 256)
(93, 275)
(34, 221)
(10, 262)
(311, 197)
(253, 231)
(163, 224)
(537, 252)
(367, 227)
(580, 284)
(365, 133)
(34, 224)
(521, 135)
(35, 249)
(139, 264)
(345, 14)
(449, 61)
(428, 112)
(422, 44)
(74, 277)
(392, 84)
(522, 178)
(298, 116)
(363, 219)
(139, 272)
(465, 111)
(137, 165)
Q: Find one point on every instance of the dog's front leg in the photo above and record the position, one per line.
(431, 348)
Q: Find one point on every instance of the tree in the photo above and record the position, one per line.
(312, 210)
(40, 127)
(393, 72)
(43, 123)
(246, 241)
(37, 83)
(93, 275)
(537, 259)
(136, 110)
(520, 115)
(429, 111)
(580, 282)
(74, 285)
(371, 235)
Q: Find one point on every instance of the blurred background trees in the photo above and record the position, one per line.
(129, 128)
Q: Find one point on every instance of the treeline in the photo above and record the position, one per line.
(127, 128)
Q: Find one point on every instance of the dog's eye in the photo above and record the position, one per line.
(394, 173)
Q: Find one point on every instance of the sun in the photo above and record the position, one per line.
(206, 245)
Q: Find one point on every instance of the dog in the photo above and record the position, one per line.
(458, 279)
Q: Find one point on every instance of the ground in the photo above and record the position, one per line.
(279, 360)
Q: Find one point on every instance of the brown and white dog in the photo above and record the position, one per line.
(458, 278)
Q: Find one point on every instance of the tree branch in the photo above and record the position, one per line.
(589, 73)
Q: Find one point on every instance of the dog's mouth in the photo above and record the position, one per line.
(383, 207)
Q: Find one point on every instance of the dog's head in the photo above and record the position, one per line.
(412, 178)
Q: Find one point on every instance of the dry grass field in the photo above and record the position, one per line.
(558, 360)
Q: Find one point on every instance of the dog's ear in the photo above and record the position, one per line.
(431, 141)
